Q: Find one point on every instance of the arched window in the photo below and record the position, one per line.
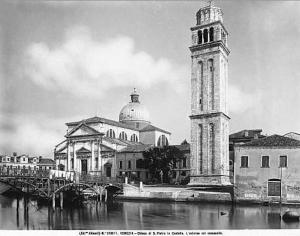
(211, 34)
(110, 133)
(199, 36)
(123, 136)
(162, 141)
(134, 138)
(205, 35)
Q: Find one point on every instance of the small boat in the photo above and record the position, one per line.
(290, 216)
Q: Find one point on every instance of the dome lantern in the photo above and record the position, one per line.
(134, 96)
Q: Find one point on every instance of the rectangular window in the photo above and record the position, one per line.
(174, 165)
(283, 161)
(72, 163)
(274, 188)
(129, 164)
(120, 165)
(139, 163)
(184, 163)
(265, 162)
(244, 162)
(96, 163)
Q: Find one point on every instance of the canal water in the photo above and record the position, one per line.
(27, 214)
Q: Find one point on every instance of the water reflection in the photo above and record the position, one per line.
(24, 213)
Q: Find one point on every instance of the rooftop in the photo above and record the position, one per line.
(182, 147)
(273, 141)
(153, 128)
(97, 119)
(46, 161)
(247, 134)
(136, 148)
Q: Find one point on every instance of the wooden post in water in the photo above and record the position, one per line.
(141, 186)
(18, 211)
(105, 195)
(101, 192)
(49, 187)
(53, 201)
(61, 200)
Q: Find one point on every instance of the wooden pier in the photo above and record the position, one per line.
(55, 186)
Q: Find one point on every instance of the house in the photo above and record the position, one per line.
(268, 170)
(46, 164)
(241, 137)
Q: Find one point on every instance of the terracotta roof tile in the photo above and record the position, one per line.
(273, 141)
(136, 148)
(97, 119)
(153, 128)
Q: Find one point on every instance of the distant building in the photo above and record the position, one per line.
(268, 170)
(182, 168)
(130, 163)
(25, 162)
(91, 145)
(46, 164)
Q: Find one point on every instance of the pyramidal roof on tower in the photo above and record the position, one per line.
(209, 14)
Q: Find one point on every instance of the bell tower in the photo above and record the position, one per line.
(209, 110)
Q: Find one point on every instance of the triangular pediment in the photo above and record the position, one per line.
(83, 150)
(82, 130)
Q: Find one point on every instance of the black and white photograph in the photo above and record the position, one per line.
(141, 116)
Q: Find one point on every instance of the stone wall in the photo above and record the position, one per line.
(251, 184)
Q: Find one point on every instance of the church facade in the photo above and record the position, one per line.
(209, 109)
(92, 145)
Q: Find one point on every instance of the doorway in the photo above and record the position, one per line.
(84, 167)
(108, 171)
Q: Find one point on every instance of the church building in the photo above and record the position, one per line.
(91, 145)
(209, 109)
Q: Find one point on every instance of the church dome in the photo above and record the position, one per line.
(134, 111)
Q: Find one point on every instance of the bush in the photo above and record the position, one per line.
(185, 181)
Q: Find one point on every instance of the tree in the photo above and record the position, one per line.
(163, 159)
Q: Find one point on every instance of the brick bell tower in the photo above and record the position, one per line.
(209, 108)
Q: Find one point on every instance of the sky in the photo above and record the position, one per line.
(64, 61)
